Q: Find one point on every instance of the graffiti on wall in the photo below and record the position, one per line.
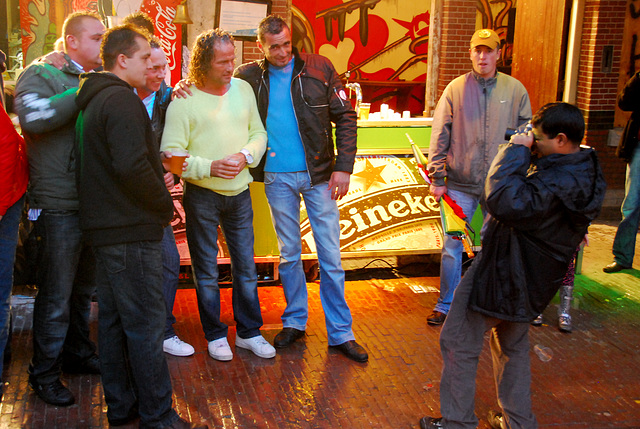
(369, 41)
(494, 14)
(86, 5)
(38, 31)
(41, 23)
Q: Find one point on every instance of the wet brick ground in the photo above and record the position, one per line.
(591, 381)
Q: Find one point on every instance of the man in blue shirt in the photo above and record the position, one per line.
(298, 96)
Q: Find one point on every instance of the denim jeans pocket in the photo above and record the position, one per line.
(269, 178)
(113, 257)
(61, 212)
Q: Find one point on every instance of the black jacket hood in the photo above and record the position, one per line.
(582, 188)
(92, 83)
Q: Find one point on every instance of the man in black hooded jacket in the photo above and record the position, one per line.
(540, 209)
(124, 207)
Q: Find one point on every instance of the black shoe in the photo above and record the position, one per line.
(184, 424)
(431, 423)
(537, 321)
(614, 267)
(436, 318)
(287, 336)
(131, 417)
(124, 421)
(495, 419)
(353, 351)
(90, 365)
(53, 393)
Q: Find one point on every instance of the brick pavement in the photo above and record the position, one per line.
(592, 380)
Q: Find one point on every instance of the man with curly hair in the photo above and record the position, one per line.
(221, 128)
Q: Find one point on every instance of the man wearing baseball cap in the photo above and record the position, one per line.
(469, 124)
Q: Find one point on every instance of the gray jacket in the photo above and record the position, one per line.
(45, 103)
(469, 124)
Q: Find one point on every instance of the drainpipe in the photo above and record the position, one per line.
(573, 52)
(433, 61)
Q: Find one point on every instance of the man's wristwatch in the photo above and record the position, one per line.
(247, 156)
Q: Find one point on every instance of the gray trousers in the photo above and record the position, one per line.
(461, 342)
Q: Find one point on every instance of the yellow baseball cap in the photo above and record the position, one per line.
(485, 37)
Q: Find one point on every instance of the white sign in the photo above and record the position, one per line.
(241, 18)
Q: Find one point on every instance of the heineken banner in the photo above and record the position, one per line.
(388, 208)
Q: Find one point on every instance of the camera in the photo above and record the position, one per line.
(523, 129)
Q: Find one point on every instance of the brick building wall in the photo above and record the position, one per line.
(458, 25)
(603, 25)
(250, 51)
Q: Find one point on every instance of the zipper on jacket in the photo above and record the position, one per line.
(298, 122)
(484, 91)
(263, 82)
(335, 91)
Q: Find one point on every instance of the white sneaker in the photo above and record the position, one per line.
(258, 345)
(175, 346)
(219, 349)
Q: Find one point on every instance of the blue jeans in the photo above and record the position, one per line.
(8, 242)
(624, 244)
(283, 192)
(204, 211)
(451, 263)
(170, 277)
(133, 367)
(66, 278)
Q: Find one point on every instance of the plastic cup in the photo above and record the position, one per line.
(390, 115)
(177, 160)
(545, 354)
(364, 111)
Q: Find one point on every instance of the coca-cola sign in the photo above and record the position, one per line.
(170, 34)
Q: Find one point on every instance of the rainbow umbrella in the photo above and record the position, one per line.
(454, 222)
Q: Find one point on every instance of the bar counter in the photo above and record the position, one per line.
(387, 211)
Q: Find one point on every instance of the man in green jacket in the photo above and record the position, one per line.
(45, 103)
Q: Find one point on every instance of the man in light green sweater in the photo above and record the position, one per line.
(221, 128)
